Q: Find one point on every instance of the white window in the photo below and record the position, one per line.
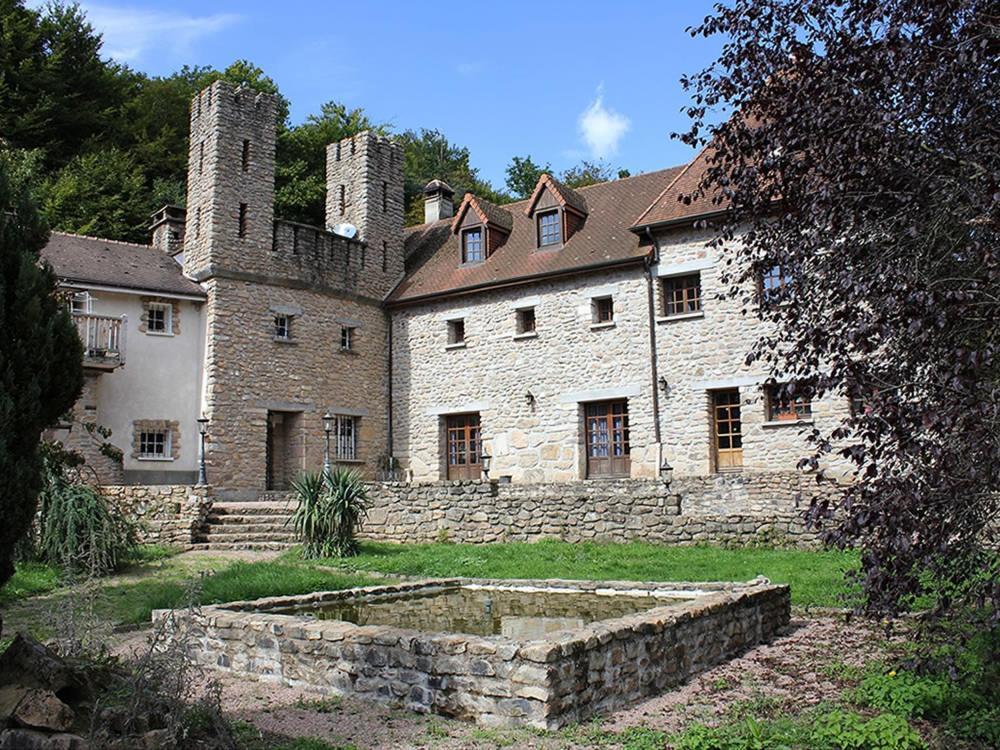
(346, 338)
(282, 327)
(345, 438)
(81, 303)
(154, 444)
(159, 318)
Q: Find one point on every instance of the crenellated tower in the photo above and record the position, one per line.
(230, 189)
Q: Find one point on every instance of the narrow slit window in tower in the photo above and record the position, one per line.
(243, 220)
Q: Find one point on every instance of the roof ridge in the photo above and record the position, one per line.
(100, 239)
(673, 182)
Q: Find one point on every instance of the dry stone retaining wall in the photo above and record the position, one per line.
(168, 514)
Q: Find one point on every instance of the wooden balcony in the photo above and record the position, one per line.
(103, 338)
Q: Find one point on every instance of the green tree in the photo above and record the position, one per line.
(102, 193)
(587, 173)
(300, 171)
(40, 362)
(523, 174)
(430, 155)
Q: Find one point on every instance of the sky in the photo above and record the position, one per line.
(557, 81)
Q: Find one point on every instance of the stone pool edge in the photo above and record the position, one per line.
(494, 680)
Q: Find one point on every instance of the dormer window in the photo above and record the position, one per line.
(549, 231)
(472, 245)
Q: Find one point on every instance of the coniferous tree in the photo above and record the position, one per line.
(40, 362)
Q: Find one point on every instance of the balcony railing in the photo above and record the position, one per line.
(103, 338)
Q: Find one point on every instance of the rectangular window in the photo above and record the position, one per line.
(343, 197)
(346, 338)
(344, 440)
(549, 231)
(773, 283)
(159, 318)
(526, 320)
(81, 303)
(604, 310)
(243, 220)
(456, 331)
(681, 294)
(246, 154)
(472, 245)
(282, 327)
(154, 444)
(782, 409)
(385, 197)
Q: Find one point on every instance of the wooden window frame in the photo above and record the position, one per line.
(681, 294)
(480, 245)
(463, 437)
(347, 338)
(456, 331)
(599, 420)
(603, 310)
(772, 284)
(540, 234)
(782, 410)
(726, 458)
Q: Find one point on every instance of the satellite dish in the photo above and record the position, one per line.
(346, 230)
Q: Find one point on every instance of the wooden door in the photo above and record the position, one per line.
(727, 429)
(464, 447)
(606, 425)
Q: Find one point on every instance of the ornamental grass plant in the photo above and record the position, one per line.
(331, 508)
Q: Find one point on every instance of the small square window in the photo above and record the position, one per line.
(159, 318)
(81, 303)
(282, 327)
(456, 331)
(472, 245)
(682, 294)
(604, 310)
(774, 283)
(783, 409)
(549, 231)
(346, 338)
(154, 444)
(345, 438)
(526, 320)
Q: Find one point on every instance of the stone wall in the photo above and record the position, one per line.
(493, 680)
(167, 514)
(730, 509)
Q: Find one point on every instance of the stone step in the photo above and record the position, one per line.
(258, 527)
(251, 509)
(269, 520)
(228, 536)
(262, 546)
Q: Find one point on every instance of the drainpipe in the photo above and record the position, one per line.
(648, 266)
(388, 427)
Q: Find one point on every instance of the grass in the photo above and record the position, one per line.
(30, 579)
(816, 577)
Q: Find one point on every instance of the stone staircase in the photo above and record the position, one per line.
(256, 525)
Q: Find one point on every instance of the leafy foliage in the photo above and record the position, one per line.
(331, 508)
(523, 174)
(40, 363)
(860, 155)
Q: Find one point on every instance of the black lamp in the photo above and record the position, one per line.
(486, 458)
(202, 433)
(327, 429)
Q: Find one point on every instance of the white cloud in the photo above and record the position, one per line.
(131, 33)
(470, 68)
(602, 128)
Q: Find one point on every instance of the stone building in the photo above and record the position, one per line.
(579, 334)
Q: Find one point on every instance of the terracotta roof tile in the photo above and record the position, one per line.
(433, 250)
(489, 213)
(91, 260)
(670, 206)
(566, 196)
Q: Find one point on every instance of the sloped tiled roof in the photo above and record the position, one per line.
(670, 206)
(567, 196)
(90, 260)
(433, 252)
(489, 213)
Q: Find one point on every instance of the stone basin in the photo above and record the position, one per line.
(546, 653)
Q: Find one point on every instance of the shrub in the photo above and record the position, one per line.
(331, 508)
(78, 530)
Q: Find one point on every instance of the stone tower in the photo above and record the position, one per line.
(230, 189)
(364, 187)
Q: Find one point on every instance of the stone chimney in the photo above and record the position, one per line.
(439, 201)
(168, 229)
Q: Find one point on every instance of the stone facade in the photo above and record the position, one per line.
(493, 680)
(167, 514)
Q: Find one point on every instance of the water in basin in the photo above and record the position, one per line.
(518, 614)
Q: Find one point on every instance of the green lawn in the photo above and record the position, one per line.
(816, 577)
(30, 579)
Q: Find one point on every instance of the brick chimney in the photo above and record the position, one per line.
(168, 229)
(438, 201)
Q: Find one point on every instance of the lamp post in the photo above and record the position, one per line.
(667, 472)
(486, 458)
(202, 432)
(327, 429)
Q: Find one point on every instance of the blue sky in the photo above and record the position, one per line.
(558, 81)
